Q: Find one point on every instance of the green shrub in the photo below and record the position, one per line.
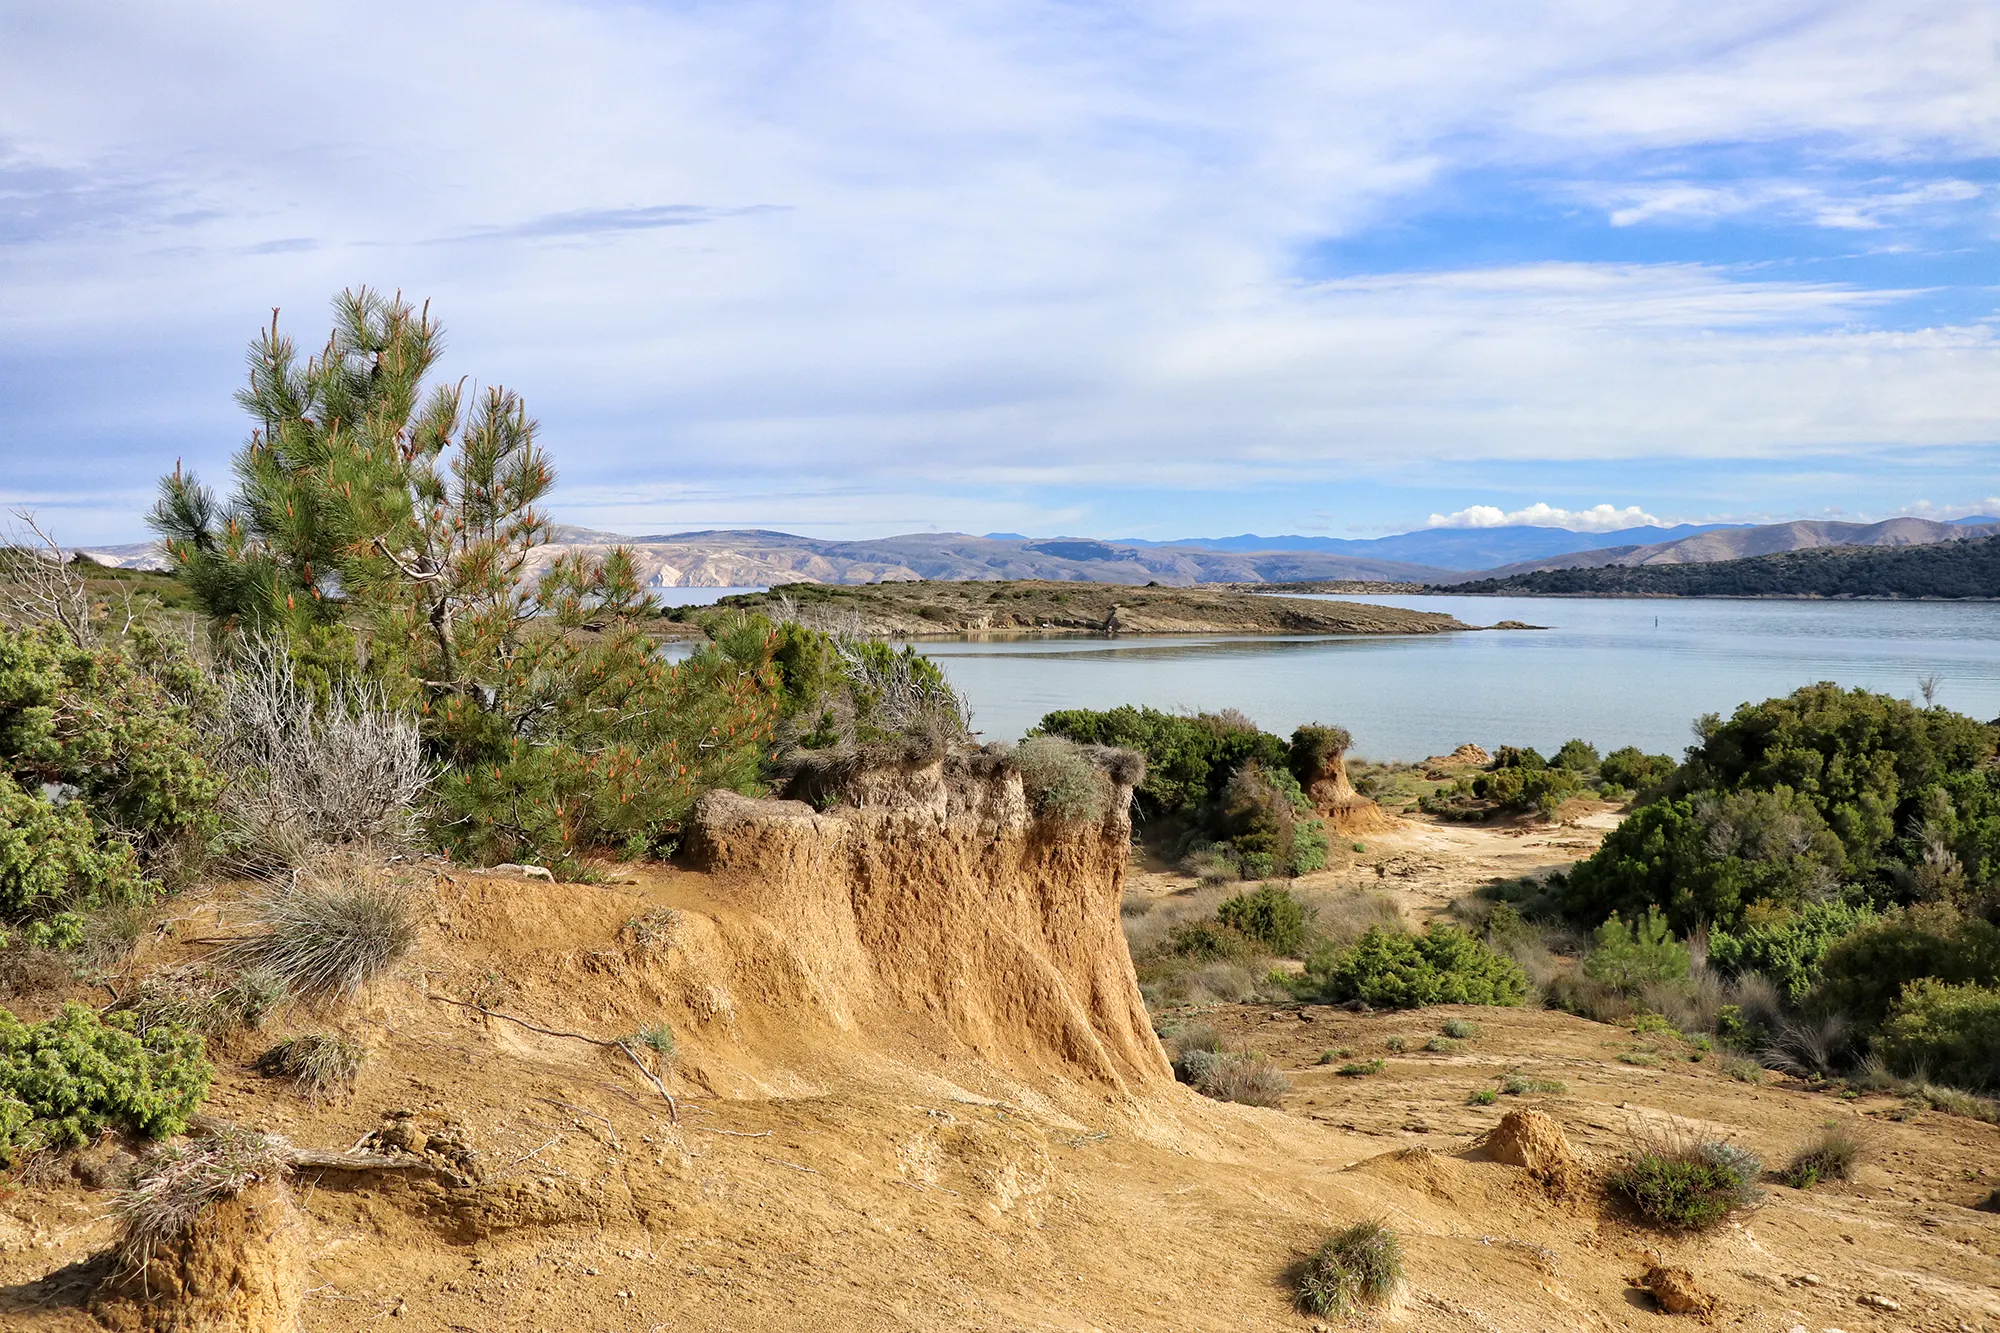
(1686, 1185)
(1520, 1085)
(1315, 749)
(1060, 781)
(1484, 1097)
(1952, 1033)
(1360, 1069)
(1396, 1045)
(1790, 947)
(1831, 1156)
(1362, 1265)
(1629, 956)
(1633, 768)
(1518, 756)
(1524, 788)
(1270, 915)
(1441, 1046)
(655, 1037)
(1461, 1028)
(1577, 755)
(1444, 965)
(1189, 759)
(63, 1081)
(1864, 975)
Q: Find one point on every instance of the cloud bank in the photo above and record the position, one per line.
(1597, 518)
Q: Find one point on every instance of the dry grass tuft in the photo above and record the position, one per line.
(332, 927)
(181, 1180)
(321, 1065)
(1831, 1156)
(1362, 1265)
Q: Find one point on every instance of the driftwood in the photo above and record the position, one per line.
(321, 1159)
(673, 1107)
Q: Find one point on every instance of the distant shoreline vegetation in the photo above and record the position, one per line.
(1945, 571)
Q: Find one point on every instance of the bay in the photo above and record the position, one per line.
(1613, 671)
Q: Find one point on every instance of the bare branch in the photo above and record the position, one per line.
(39, 586)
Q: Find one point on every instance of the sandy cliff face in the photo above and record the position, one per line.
(944, 902)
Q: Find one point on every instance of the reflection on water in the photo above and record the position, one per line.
(1616, 672)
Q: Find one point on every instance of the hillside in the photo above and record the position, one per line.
(902, 610)
(1769, 539)
(917, 1090)
(1955, 569)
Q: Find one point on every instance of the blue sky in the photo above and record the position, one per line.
(1152, 270)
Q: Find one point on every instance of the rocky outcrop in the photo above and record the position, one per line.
(1324, 777)
(934, 892)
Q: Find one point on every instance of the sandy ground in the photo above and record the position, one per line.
(904, 1184)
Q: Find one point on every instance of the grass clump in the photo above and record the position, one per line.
(1362, 1265)
(1644, 1059)
(1743, 1070)
(206, 998)
(1461, 1028)
(1484, 1097)
(183, 1180)
(1360, 1068)
(1441, 1046)
(657, 1038)
(1396, 1045)
(321, 1065)
(1686, 1184)
(1229, 1076)
(324, 934)
(1519, 1085)
(1333, 1055)
(1831, 1156)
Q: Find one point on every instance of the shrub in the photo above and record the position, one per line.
(182, 1180)
(1789, 947)
(1831, 1156)
(321, 1065)
(1866, 972)
(1396, 1045)
(1687, 1185)
(1461, 1028)
(1577, 755)
(327, 932)
(1525, 788)
(1951, 1032)
(1441, 1046)
(1520, 1085)
(1189, 759)
(1444, 965)
(1207, 941)
(65, 1080)
(1741, 1069)
(326, 764)
(1316, 749)
(1362, 1265)
(1270, 915)
(1360, 1069)
(1483, 1097)
(1060, 781)
(1633, 768)
(1627, 957)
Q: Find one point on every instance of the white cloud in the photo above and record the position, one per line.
(1597, 518)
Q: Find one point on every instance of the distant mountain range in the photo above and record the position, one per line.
(736, 558)
(1947, 569)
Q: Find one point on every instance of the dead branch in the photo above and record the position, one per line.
(673, 1107)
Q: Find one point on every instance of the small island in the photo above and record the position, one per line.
(1028, 606)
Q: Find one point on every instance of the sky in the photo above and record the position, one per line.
(1156, 269)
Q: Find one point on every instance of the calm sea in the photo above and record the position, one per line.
(1616, 672)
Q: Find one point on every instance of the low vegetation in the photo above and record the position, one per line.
(327, 932)
(64, 1081)
(321, 1066)
(1833, 1155)
(1686, 1184)
(1361, 1266)
(181, 1181)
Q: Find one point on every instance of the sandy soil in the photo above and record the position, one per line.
(856, 1178)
